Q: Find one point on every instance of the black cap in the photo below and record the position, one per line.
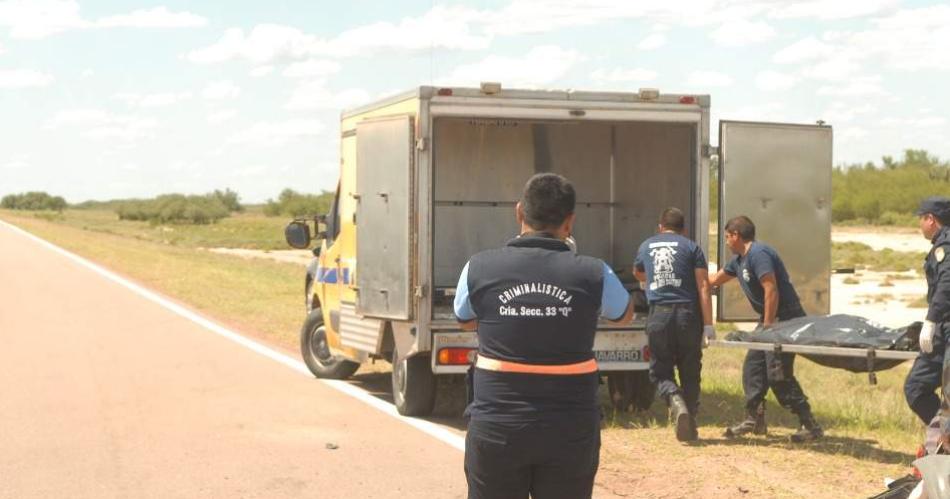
(936, 205)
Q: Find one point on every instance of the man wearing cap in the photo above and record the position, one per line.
(534, 423)
(672, 270)
(925, 375)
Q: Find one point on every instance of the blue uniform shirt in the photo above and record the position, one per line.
(670, 262)
(760, 260)
(937, 270)
(614, 299)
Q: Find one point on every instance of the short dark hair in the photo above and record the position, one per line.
(548, 199)
(673, 219)
(743, 226)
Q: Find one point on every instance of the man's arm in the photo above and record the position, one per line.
(720, 278)
(615, 303)
(705, 298)
(771, 298)
(463, 306)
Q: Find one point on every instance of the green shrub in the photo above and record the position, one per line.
(33, 201)
(887, 194)
(175, 208)
(291, 203)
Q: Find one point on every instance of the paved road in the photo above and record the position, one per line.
(104, 394)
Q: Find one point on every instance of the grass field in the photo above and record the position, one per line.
(871, 431)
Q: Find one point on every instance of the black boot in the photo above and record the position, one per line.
(809, 430)
(681, 419)
(754, 423)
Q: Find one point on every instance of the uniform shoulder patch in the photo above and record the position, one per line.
(939, 253)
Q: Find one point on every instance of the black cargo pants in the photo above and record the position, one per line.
(763, 370)
(675, 336)
(925, 377)
(549, 460)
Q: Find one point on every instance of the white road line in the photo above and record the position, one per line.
(431, 429)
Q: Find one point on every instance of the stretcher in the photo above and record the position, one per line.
(838, 341)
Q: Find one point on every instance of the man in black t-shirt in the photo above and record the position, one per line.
(766, 284)
(534, 419)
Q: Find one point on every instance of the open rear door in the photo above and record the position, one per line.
(779, 175)
(384, 163)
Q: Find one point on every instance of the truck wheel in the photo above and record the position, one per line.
(630, 391)
(316, 353)
(413, 385)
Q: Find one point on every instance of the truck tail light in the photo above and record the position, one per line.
(646, 353)
(456, 356)
(687, 99)
(444, 92)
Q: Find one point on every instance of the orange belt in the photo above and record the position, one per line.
(586, 367)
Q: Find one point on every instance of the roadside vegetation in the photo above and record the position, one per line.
(860, 256)
(291, 203)
(33, 201)
(179, 208)
(888, 194)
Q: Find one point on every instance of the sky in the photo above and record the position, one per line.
(116, 99)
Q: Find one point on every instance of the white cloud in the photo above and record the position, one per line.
(832, 9)
(34, 19)
(23, 78)
(653, 41)
(769, 111)
(774, 81)
(439, 28)
(313, 95)
(18, 162)
(158, 17)
(804, 50)
(622, 75)
(261, 71)
(218, 117)
(275, 134)
(856, 87)
(265, 43)
(311, 68)
(86, 74)
(542, 65)
(2, 50)
(708, 79)
(742, 32)
(98, 124)
(221, 90)
(841, 112)
(162, 99)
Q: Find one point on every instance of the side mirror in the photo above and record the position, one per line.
(297, 234)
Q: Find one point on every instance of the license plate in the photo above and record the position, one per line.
(617, 355)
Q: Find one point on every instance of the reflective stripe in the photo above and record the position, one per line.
(586, 367)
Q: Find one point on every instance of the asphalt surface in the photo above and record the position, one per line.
(105, 394)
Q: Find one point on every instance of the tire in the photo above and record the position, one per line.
(316, 353)
(414, 385)
(630, 391)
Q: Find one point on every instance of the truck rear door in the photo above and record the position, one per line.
(384, 169)
(779, 175)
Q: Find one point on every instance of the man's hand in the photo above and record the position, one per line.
(927, 337)
(709, 334)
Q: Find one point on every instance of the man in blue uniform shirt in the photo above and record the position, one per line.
(925, 375)
(672, 270)
(765, 282)
(534, 423)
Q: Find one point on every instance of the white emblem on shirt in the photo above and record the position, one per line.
(745, 275)
(663, 274)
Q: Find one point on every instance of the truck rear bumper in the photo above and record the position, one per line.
(614, 349)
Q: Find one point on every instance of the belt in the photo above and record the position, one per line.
(507, 366)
